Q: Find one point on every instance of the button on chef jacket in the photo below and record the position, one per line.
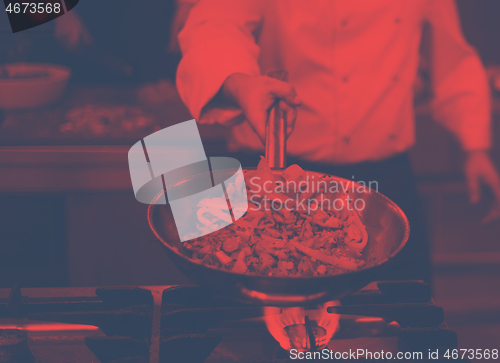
(353, 63)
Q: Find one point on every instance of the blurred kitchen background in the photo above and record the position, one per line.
(68, 216)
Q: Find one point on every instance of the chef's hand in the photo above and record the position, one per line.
(255, 95)
(71, 30)
(479, 168)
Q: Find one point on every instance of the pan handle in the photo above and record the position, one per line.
(276, 129)
(283, 299)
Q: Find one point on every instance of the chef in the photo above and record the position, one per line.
(352, 67)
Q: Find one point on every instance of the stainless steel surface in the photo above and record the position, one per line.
(276, 130)
(388, 230)
(189, 316)
(57, 342)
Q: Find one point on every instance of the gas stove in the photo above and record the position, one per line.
(188, 324)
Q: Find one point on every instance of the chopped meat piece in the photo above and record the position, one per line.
(223, 258)
(321, 269)
(231, 244)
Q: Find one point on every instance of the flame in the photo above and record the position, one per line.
(289, 327)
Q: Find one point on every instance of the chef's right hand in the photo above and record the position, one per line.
(255, 95)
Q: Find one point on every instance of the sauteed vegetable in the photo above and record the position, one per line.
(307, 236)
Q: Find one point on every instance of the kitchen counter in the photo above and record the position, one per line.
(35, 156)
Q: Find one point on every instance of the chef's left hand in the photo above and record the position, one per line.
(479, 168)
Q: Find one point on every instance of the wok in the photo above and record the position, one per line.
(388, 230)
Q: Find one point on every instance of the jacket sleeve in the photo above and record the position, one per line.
(217, 41)
(461, 91)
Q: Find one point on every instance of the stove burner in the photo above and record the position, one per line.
(312, 333)
(14, 347)
(191, 315)
(304, 329)
(189, 324)
(294, 333)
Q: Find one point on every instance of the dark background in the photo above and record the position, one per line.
(95, 238)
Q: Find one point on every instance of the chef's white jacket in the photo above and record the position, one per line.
(353, 63)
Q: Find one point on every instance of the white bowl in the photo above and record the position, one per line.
(30, 92)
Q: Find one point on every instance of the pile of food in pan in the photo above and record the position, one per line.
(307, 236)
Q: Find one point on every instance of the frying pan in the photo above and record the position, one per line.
(388, 230)
(387, 226)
